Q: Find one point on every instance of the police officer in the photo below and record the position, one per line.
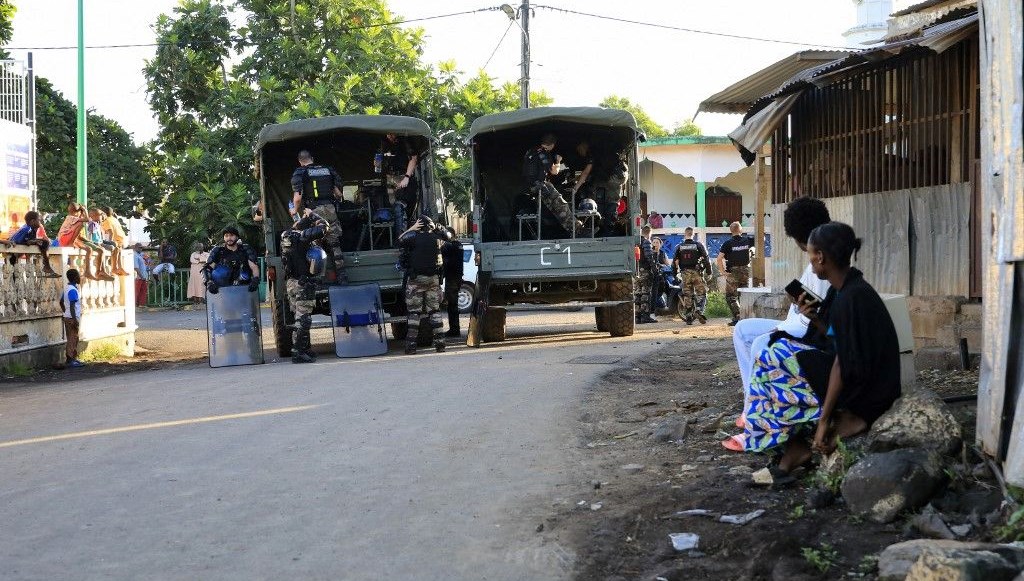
(232, 263)
(420, 257)
(451, 256)
(318, 187)
(734, 259)
(647, 279)
(539, 165)
(691, 264)
(398, 163)
(303, 266)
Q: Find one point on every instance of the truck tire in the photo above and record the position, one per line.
(621, 318)
(493, 330)
(399, 331)
(601, 317)
(280, 313)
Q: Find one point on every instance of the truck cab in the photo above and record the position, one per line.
(349, 144)
(527, 259)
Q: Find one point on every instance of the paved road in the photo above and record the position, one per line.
(383, 468)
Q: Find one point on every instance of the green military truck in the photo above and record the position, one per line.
(348, 143)
(527, 260)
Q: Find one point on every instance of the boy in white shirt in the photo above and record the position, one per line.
(71, 304)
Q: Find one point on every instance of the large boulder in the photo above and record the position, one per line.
(917, 420)
(960, 565)
(881, 486)
(896, 561)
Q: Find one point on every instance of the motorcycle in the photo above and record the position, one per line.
(669, 299)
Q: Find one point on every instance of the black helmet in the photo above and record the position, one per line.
(231, 230)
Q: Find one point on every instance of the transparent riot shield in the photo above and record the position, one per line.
(358, 320)
(233, 327)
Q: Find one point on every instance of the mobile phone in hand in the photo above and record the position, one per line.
(797, 288)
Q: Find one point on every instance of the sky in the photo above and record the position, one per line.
(577, 60)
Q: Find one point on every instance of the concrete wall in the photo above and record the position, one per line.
(31, 326)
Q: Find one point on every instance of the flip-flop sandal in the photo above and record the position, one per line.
(741, 421)
(735, 443)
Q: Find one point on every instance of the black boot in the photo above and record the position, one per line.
(410, 348)
(439, 345)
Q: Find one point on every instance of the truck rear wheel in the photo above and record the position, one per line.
(601, 317)
(622, 317)
(493, 330)
(282, 328)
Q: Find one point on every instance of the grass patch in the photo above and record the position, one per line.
(716, 307)
(101, 353)
(18, 369)
(1013, 530)
(823, 557)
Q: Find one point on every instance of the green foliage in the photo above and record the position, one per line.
(7, 11)
(822, 558)
(118, 175)
(716, 306)
(686, 128)
(226, 68)
(101, 353)
(644, 122)
(867, 567)
(832, 478)
(796, 513)
(1013, 529)
(17, 369)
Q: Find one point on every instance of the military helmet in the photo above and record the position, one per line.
(588, 205)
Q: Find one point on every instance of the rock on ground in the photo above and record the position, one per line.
(896, 561)
(883, 485)
(917, 420)
(961, 565)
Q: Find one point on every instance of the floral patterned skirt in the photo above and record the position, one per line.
(782, 402)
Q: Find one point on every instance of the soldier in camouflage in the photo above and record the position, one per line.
(734, 260)
(420, 257)
(303, 266)
(318, 188)
(646, 279)
(691, 264)
(539, 164)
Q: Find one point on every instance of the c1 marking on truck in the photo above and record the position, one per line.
(567, 250)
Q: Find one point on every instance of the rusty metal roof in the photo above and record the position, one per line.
(918, 7)
(741, 96)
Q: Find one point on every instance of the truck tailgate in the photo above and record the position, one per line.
(570, 259)
(373, 266)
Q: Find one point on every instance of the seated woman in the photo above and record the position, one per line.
(839, 378)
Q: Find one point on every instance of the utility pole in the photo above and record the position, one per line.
(524, 82)
(30, 120)
(83, 179)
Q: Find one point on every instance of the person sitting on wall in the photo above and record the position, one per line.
(72, 233)
(33, 234)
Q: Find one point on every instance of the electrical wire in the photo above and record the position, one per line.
(690, 30)
(234, 40)
(497, 46)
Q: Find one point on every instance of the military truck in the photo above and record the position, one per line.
(527, 260)
(348, 143)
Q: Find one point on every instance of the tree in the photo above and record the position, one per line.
(686, 128)
(118, 173)
(7, 11)
(644, 122)
(217, 79)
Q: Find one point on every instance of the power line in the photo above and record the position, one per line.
(497, 46)
(691, 30)
(192, 42)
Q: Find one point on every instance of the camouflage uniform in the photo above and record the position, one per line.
(557, 205)
(646, 282)
(423, 301)
(644, 288)
(694, 291)
(301, 299)
(332, 240)
(737, 278)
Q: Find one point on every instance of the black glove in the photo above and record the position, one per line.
(212, 287)
(254, 285)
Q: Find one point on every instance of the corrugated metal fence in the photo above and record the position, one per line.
(916, 242)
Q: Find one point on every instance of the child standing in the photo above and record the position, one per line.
(71, 302)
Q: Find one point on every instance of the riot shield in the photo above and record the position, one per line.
(233, 326)
(358, 320)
